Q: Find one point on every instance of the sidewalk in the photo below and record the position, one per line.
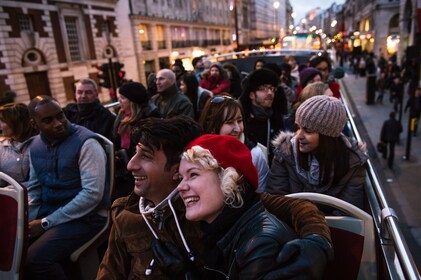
(402, 184)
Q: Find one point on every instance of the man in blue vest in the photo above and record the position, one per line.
(67, 189)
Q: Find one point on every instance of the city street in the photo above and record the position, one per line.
(402, 184)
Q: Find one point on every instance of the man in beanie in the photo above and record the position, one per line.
(169, 100)
(318, 157)
(88, 111)
(218, 186)
(262, 103)
(216, 80)
(155, 169)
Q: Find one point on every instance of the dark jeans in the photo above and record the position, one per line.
(390, 149)
(56, 244)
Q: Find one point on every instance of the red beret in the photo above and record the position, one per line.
(229, 152)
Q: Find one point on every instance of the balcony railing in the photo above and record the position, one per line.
(146, 45)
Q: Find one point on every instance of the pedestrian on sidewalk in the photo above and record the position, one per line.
(414, 106)
(396, 93)
(371, 80)
(381, 86)
(390, 135)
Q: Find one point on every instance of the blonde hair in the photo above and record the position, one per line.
(231, 181)
(310, 90)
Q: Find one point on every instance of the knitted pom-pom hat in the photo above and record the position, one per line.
(229, 152)
(323, 114)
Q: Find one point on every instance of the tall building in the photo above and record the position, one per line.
(46, 46)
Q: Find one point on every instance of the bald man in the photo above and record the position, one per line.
(170, 101)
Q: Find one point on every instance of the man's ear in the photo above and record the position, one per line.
(33, 123)
(174, 171)
(252, 95)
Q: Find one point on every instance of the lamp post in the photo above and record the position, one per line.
(276, 7)
(233, 7)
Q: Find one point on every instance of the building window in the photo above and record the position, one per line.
(160, 37)
(73, 38)
(144, 37)
(25, 23)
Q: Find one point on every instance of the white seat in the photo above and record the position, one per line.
(13, 228)
(348, 233)
(87, 255)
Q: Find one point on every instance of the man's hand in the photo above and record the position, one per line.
(303, 259)
(168, 258)
(35, 229)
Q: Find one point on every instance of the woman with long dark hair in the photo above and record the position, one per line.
(197, 95)
(318, 157)
(14, 147)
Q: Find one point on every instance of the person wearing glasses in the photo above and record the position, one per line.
(262, 104)
(224, 115)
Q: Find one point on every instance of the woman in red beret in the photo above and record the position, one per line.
(218, 186)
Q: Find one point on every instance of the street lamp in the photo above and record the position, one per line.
(276, 6)
(233, 8)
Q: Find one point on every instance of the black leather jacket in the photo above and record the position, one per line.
(250, 247)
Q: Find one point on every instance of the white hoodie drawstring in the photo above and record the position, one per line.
(143, 211)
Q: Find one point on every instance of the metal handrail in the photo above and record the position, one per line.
(378, 203)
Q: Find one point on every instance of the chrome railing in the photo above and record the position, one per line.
(398, 258)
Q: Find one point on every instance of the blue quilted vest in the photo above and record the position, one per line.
(57, 169)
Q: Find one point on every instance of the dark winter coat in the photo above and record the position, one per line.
(93, 116)
(248, 248)
(390, 131)
(286, 177)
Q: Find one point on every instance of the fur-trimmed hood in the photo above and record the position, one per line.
(283, 147)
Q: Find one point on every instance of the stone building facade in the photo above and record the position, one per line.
(45, 46)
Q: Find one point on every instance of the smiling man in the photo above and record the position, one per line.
(66, 188)
(154, 211)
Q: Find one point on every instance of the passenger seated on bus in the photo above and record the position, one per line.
(262, 101)
(155, 169)
(14, 147)
(313, 89)
(241, 238)
(259, 64)
(308, 75)
(318, 157)
(67, 189)
(224, 115)
(197, 95)
(135, 106)
(290, 59)
(215, 79)
(324, 65)
(88, 111)
(170, 100)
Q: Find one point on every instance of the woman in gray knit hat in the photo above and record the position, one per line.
(318, 157)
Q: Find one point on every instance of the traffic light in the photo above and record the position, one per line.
(119, 73)
(104, 76)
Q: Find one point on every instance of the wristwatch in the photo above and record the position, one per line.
(45, 224)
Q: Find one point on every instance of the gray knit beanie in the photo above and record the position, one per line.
(323, 114)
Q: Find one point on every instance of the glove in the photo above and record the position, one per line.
(168, 258)
(304, 258)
